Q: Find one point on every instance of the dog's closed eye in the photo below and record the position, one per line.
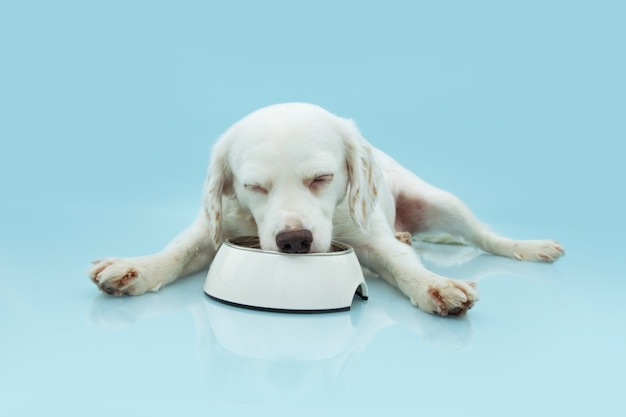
(258, 188)
(319, 181)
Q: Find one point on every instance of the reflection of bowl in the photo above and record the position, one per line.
(242, 274)
(285, 337)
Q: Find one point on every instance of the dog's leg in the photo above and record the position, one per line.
(190, 251)
(443, 213)
(426, 211)
(399, 265)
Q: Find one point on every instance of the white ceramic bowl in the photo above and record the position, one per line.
(244, 275)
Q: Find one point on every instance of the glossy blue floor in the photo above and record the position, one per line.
(107, 115)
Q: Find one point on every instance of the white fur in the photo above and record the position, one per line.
(298, 167)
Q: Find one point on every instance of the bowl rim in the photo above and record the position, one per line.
(343, 248)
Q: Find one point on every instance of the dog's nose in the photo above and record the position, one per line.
(294, 241)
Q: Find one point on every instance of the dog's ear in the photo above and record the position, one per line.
(364, 176)
(219, 182)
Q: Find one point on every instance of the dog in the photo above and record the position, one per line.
(298, 177)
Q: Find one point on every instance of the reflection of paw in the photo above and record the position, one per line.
(447, 297)
(404, 237)
(121, 277)
(537, 250)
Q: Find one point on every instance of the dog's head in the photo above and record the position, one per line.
(290, 166)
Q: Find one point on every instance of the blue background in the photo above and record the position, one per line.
(107, 114)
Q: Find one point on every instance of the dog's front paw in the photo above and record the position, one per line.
(447, 297)
(121, 277)
(538, 250)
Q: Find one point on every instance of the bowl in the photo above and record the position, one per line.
(244, 275)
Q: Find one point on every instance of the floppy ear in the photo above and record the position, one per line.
(218, 183)
(364, 176)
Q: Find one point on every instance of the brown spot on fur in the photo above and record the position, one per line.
(364, 164)
(354, 201)
(130, 276)
(443, 307)
(434, 292)
(457, 311)
(410, 214)
(404, 237)
(546, 257)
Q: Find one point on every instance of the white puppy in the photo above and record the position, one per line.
(298, 176)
